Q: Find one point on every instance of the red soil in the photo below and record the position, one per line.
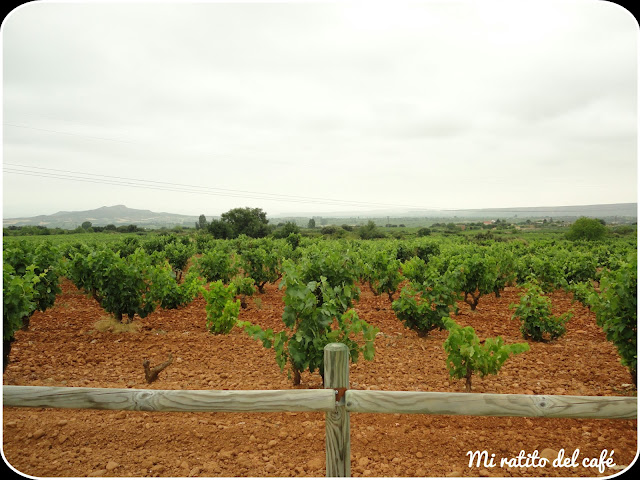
(63, 348)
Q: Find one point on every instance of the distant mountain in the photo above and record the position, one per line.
(620, 211)
(116, 215)
(605, 211)
(121, 215)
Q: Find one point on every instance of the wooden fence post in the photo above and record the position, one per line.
(337, 428)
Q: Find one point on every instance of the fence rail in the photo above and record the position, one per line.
(331, 400)
(171, 400)
(492, 404)
(323, 400)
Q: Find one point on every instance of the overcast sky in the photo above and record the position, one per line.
(318, 107)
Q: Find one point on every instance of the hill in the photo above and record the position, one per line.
(116, 215)
(122, 215)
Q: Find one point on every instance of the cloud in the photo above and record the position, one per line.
(264, 96)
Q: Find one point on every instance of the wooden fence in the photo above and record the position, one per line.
(336, 400)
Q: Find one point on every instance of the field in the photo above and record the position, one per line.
(63, 347)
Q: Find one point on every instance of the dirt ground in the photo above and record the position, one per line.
(63, 348)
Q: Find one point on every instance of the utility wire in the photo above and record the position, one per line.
(145, 186)
(179, 187)
(87, 177)
(172, 184)
(66, 133)
(211, 191)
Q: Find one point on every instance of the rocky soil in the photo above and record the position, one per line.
(64, 348)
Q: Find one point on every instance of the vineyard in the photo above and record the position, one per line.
(441, 314)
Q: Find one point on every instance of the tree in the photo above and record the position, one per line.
(312, 223)
(128, 228)
(86, 225)
(251, 222)
(328, 230)
(370, 231)
(220, 229)
(202, 223)
(285, 230)
(586, 228)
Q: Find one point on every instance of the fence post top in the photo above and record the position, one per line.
(335, 346)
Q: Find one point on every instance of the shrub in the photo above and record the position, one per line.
(423, 308)
(261, 264)
(466, 355)
(126, 246)
(178, 255)
(285, 230)
(122, 286)
(173, 294)
(415, 270)
(244, 287)
(616, 311)
(475, 274)
(369, 231)
(381, 270)
(534, 312)
(319, 293)
(18, 298)
(427, 250)
(587, 229)
(46, 260)
(222, 308)
(216, 264)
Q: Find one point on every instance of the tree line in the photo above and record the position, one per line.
(253, 223)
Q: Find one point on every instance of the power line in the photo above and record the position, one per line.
(150, 187)
(172, 184)
(66, 133)
(87, 177)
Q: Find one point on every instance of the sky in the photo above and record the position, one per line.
(342, 106)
